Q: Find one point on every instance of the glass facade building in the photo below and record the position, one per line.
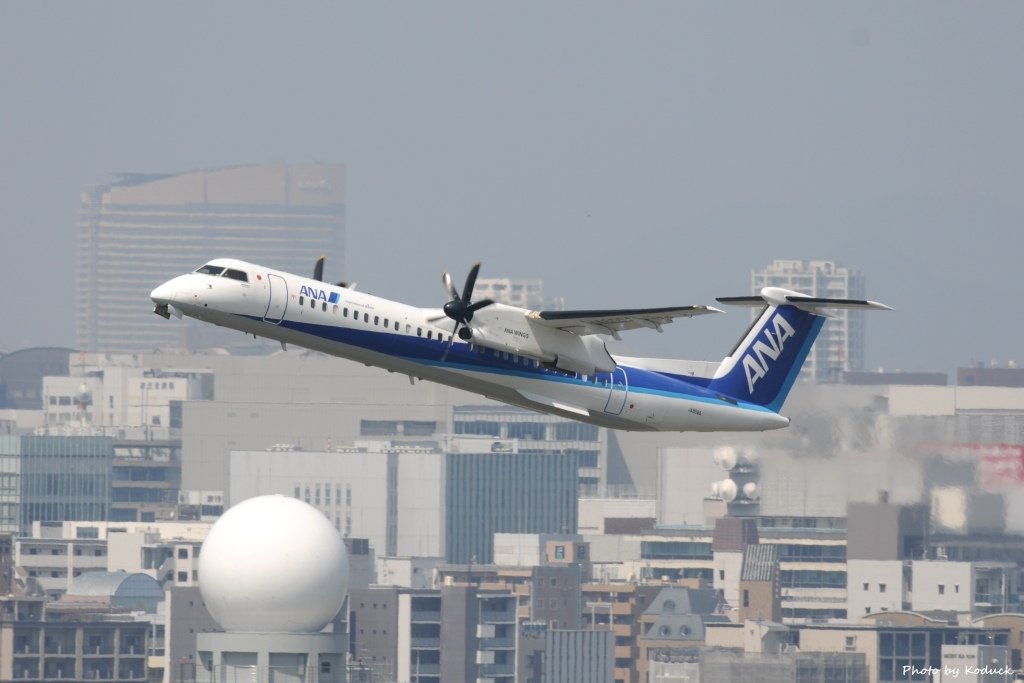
(529, 490)
(54, 479)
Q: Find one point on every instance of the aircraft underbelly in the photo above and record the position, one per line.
(616, 407)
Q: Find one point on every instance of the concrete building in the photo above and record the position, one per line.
(144, 229)
(674, 625)
(840, 345)
(120, 395)
(56, 562)
(84, 641)
(760, 591)
(618, 607)
(391, 493)
(578, 656)
(22, 372)
(55, 554)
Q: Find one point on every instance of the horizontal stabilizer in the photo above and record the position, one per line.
(777, 296)
(765, 363)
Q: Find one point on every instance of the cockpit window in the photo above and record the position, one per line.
(236, 275)
(210, 269)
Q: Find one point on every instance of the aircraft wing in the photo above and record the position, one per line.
(613, 321)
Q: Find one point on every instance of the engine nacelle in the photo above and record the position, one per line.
(506, 328)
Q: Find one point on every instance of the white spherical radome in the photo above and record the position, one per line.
(273, 564)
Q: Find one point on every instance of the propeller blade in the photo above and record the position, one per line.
(449, 286)
(467, 291)
(451, 340)
(476, 306)
(318, 269)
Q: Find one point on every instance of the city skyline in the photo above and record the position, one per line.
(627, 156)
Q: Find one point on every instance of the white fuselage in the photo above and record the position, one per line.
(397, 337)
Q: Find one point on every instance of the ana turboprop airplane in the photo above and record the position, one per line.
(549, 361)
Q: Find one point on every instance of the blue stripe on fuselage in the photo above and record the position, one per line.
(479, 359)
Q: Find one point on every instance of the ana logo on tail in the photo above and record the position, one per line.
(755, 362)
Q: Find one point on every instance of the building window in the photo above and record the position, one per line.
(942, 589)
(881, 588)
(746, 598)
(559, 552)
(865, 585)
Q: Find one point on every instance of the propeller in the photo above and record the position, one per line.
(461, 308)
(318, 274)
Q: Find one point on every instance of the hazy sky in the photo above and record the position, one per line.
(631, 154)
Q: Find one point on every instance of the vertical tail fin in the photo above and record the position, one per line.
(765, 363)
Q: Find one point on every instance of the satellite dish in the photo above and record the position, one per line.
(725, 457)
(747, 457)
(727, 490)
(750, 490)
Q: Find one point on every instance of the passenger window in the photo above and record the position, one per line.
(335, 311)
(236, 275)
(366, 317)
(419, 331)
(302, 299)
(430, 334)
(376, 320)
(396, 326)
(385, 322)
(324, 307)
(344, 312)
(312, 303)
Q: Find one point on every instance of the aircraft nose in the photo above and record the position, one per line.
(164, 294)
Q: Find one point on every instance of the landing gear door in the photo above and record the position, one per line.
(278, 299)
(618, 393)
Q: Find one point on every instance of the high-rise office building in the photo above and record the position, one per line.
(144, 229)
(505, 486)
(840, 346)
